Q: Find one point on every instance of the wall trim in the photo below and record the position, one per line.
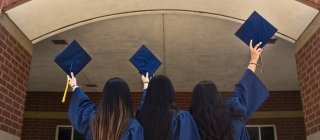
(262, 114)
(7, 136)
(278, 114)
(308, 32)
(45, 115)
(314, 136)
(12, 28)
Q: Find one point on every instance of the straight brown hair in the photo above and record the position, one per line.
(114, 111)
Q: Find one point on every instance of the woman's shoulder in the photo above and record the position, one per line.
(134, 130)
(184, 126)
(133, 124)
(181, 116)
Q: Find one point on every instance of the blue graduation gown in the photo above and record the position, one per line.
(249, 94)
(183, 125)
(81, 112)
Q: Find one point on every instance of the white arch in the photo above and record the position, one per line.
(39, 19)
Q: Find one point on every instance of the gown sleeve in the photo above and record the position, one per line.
(80, 113)
(144, 93)
(184, 127)
(133, 132)
(249, 94)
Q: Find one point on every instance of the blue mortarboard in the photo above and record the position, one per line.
(256, 28)
(145, 61)
(73, 58)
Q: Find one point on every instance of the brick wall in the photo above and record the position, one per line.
(41, 129)
(308, 65)
(51, 101)
(287, 128)
(36, 129)
(14, 70)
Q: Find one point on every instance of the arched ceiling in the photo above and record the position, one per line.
(191, 47)
(40, 19)
(194, 39)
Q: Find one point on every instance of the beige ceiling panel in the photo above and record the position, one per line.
(40, 19)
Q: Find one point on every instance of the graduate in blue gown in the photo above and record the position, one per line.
(112, 119)
(158, 114)
(248, 96)
(217, 122)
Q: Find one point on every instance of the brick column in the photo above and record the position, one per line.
(308, 65)
(312, 3)
(15, 62)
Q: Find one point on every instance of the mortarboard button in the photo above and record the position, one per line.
(145, 61)
(257, 29)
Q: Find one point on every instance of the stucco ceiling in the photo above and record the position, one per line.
(40, 19)
(191, 47)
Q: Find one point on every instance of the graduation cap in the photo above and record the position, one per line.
(145, 61)
(72, 59)
(257, 29)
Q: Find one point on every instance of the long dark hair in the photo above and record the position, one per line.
(114, 111)
(208, 112)
(158, 109)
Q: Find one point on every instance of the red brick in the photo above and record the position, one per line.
(2, 38)
(5, 114)
(10, 51)
(311, 117)
(8, 64)
(15, 63)
(1, 59)
(10, 87)
(309, 82)
(6, 55)
(4, 127)
(4, 68)
(17, 52)
(4, 32)
(18, 112)
(317, 61)
(2, 104)
(11, 130)
(9, 108)
(316, 41)
(9, 43)
(12, 97)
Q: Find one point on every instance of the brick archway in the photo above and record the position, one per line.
(15, 60)
(308, 65)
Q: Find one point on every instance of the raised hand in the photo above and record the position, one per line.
(255, 53)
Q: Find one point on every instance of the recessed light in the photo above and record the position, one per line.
(59, 42)
(273, 40)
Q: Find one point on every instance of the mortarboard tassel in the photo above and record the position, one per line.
(65, 92)
(261, 66)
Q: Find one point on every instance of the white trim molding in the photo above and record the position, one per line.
(11, 27)
(8, 136)
(314, 136)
